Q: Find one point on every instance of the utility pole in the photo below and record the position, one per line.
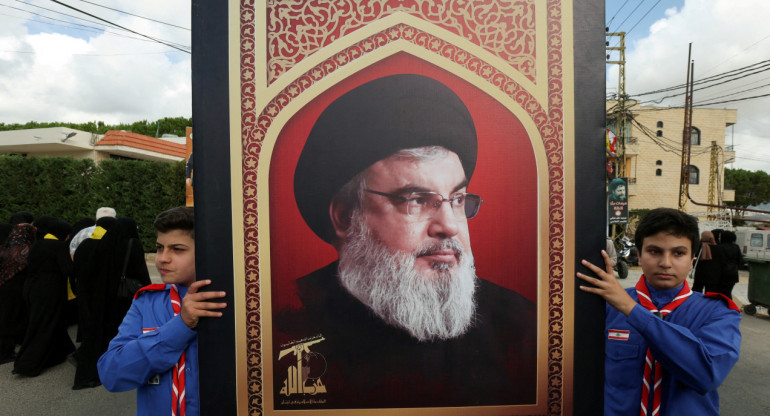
(684, 178)
(621, 110)
(713, 184)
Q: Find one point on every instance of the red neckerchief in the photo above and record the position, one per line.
(645, 300)
(730, 303)
(178, 388)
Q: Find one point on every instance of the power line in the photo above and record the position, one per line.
(632, 12)
(70, 25)
(659, 100)
(102, 28)
(732, 101)
(737, 92)
(616, 13)
(762, 64)
(141, 17)
(642, 18)
(51, 10)
(744, 49)
(119, 26)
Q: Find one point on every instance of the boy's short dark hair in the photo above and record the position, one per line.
(178, 218)
(670, 220)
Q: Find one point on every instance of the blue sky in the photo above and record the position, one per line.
(726, 35)
(59, 64)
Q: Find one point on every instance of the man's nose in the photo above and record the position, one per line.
(444, 223)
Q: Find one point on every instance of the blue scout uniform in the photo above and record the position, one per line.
(143, 354)
(697, 344)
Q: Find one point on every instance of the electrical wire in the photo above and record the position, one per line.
(119, 26)
(641, 18)
(758, 67)
(70, 25)
(616, 13)
(632, 12)
(136, 15)
(103, 27)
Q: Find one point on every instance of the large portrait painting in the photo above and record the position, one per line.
(403, 197)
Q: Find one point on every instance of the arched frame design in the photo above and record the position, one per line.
(537, 91)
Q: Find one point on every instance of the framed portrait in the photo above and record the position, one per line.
(348, 126)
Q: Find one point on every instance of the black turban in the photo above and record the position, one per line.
(370, 123)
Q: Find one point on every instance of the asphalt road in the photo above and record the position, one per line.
(51, 393)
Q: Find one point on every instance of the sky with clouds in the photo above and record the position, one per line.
(726, 35)
(59, 64)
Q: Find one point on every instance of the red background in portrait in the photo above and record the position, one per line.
(503, 235)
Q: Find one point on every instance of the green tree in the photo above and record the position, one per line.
(70, 189)
(751, 187)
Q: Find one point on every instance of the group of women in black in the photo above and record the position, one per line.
(717, 264)
(36, 274)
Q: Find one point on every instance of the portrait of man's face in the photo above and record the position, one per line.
(410, 260)
(620, 192)
(399, 231)
(380, 265)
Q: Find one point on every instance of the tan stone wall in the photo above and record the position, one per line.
(647, 154)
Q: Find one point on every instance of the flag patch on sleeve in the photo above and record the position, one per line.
(619, 334)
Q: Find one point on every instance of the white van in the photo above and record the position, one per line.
(754, 244)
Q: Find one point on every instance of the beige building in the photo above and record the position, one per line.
(653, 156)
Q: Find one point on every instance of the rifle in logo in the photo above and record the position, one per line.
(298, 379)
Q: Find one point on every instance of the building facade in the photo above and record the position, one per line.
(653, 156)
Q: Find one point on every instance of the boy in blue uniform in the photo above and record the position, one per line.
(667, 348)
(156, 349)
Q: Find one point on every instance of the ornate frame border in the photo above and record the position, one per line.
(549, 122)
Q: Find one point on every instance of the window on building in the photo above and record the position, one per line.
(694, 175)
(658, 163)
(659, 133)
(694, 136)
(658, 172)
(660, 124)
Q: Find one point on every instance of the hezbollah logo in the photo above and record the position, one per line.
(305, 376)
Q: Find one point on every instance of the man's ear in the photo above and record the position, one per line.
(340, 214)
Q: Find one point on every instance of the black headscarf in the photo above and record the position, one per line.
(44, 225)
(21, 217)
(5, 230)
(15, 252)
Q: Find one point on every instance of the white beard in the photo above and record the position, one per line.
(438, 306)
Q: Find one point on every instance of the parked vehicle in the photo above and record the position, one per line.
(754, 243)
(627, 256)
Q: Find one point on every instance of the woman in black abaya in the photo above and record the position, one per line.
(46, 342)
(106, 309)
(14, 255)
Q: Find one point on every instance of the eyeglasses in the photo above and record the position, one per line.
(424, 205)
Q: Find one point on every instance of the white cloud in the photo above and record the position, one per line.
(55, 72)
(725, 35)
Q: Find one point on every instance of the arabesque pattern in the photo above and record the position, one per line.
(297, 29)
